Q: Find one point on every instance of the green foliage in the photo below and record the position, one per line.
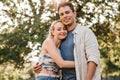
(8, 72)
(13, 47)
(24, 28)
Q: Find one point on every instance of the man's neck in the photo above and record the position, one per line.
(69, 28)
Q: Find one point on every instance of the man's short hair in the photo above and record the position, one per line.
(63, 4)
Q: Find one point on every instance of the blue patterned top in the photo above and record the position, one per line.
(47, 62)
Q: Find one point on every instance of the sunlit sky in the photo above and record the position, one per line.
(3, 16)
(47, 1)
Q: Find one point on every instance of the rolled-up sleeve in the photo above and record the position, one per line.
(91, 47)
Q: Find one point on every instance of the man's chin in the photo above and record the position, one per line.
(66, 23)
(69, 24)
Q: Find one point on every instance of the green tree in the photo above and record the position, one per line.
(25, 24)
(20, 24)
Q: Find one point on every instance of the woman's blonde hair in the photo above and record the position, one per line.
(52, 28)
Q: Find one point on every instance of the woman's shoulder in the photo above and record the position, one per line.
(47, 41)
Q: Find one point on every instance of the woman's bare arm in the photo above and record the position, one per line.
(49, 45)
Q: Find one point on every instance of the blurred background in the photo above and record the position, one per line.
(24, 25)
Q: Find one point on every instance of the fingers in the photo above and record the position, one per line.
(37, 68)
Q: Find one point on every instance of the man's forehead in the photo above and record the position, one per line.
(63, 9)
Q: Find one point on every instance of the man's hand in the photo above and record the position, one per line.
(37, 68)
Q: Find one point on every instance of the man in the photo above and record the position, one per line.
(80, 46)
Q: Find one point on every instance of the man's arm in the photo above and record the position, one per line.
(91, 68)
(92, 54)
(37, 68)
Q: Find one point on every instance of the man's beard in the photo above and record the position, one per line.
(70, 24)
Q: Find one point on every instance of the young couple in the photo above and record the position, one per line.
(69, 47)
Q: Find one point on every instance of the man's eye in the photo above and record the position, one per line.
(67, 12)
(61, 14)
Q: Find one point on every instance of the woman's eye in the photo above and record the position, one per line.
(59, 29)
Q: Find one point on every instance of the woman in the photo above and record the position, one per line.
(51, 59)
